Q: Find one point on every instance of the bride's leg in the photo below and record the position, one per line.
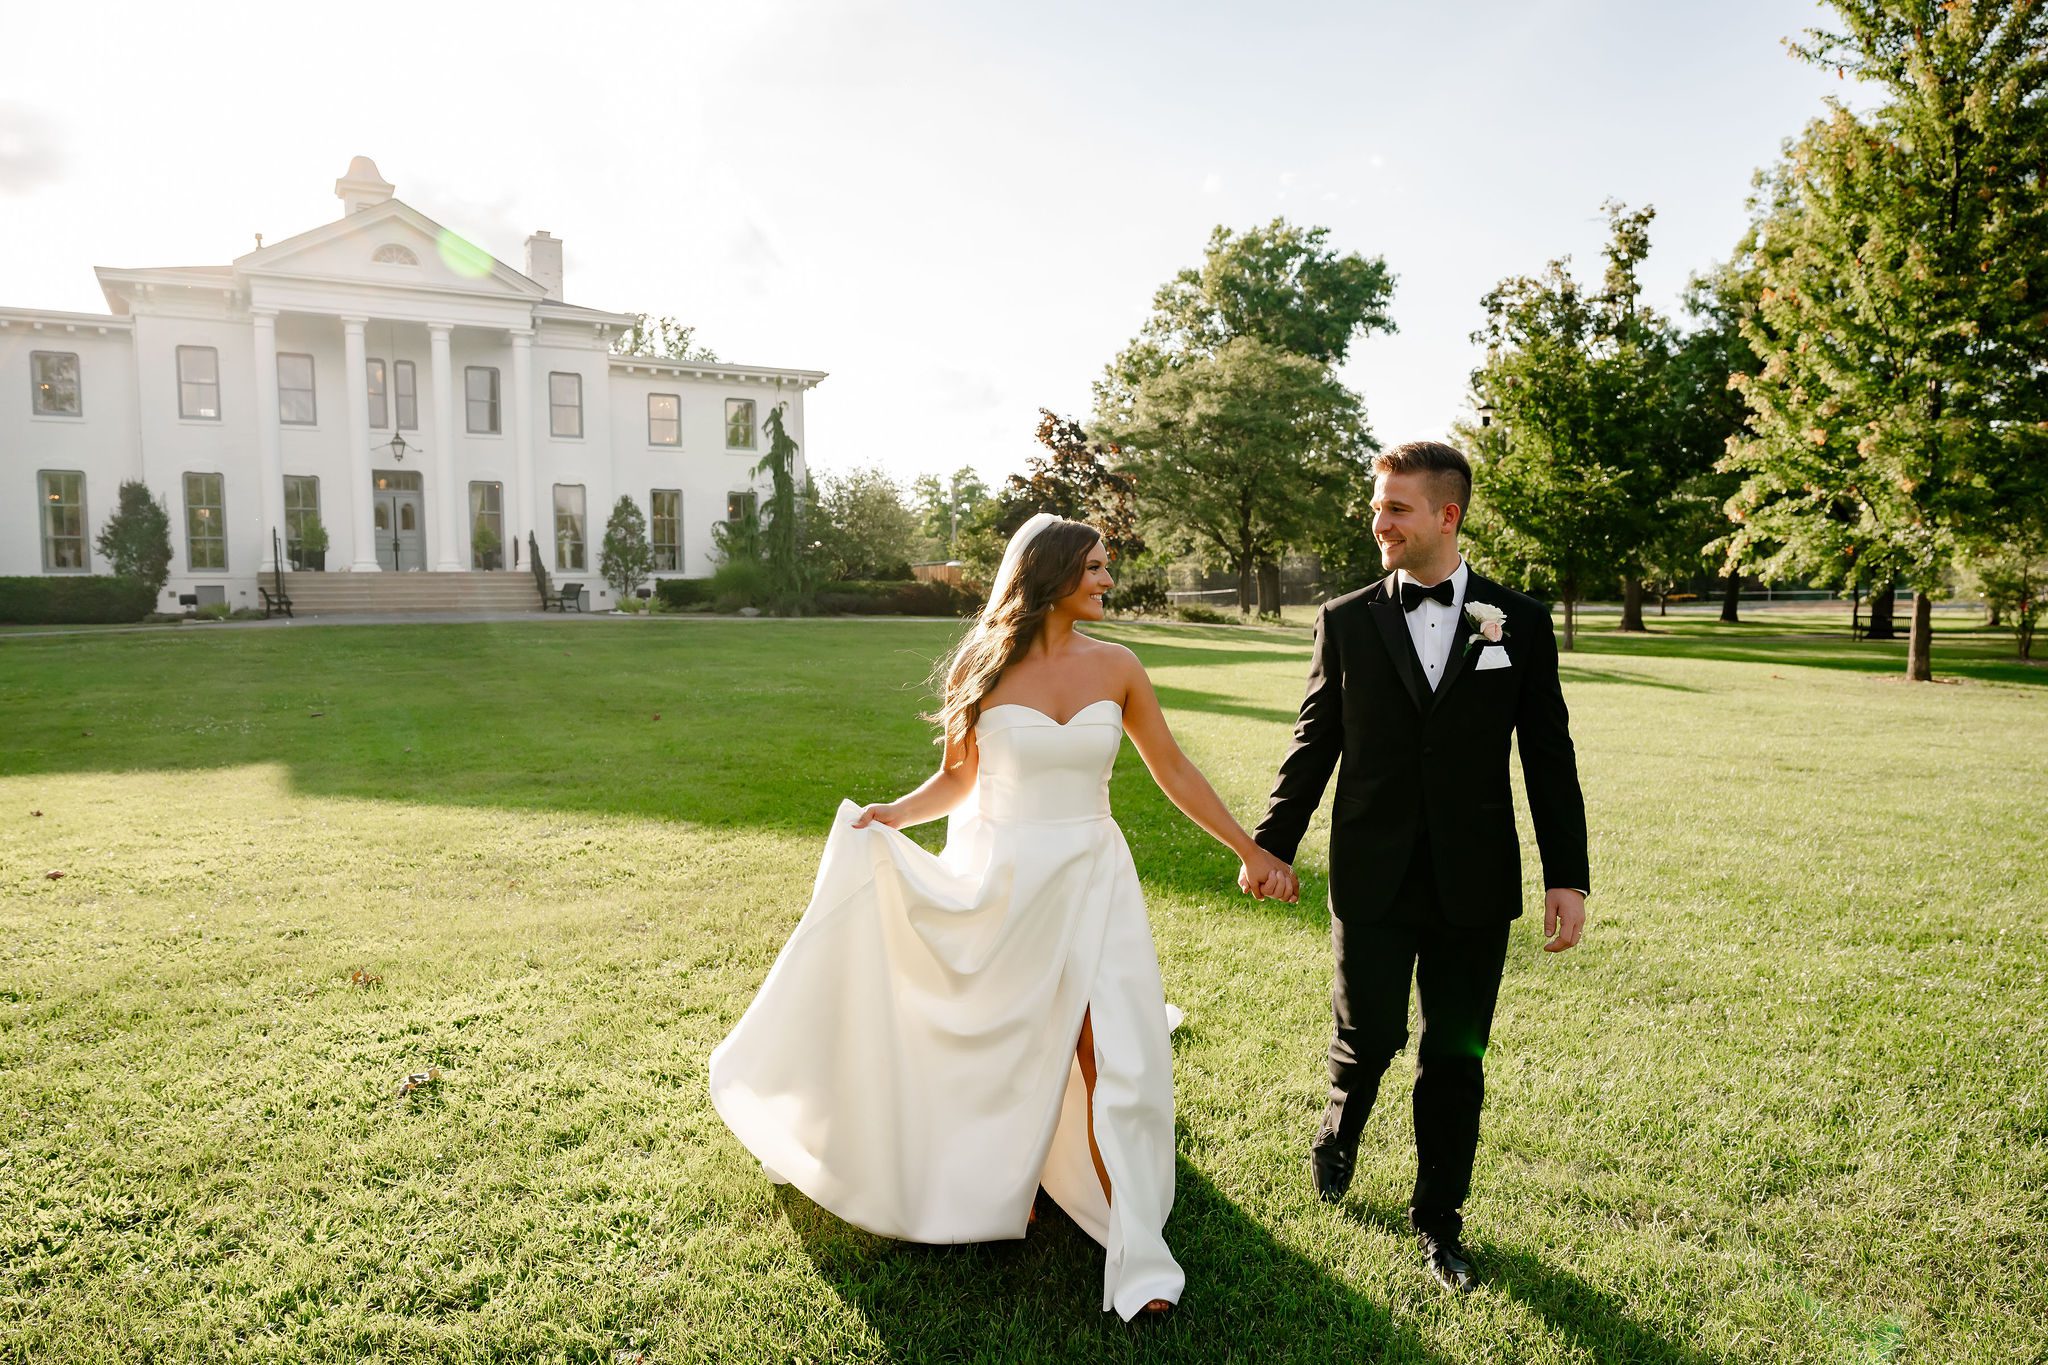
(1084, 1053)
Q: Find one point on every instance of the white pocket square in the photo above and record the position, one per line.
(1493, 656)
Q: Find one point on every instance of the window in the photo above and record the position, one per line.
(301, 509)
(380, 411)
(739, 506)
(199, 383)
(666, 527)
(391, 253)
(739, 423)
(486, 525)
(568, 526)
(664, 419)
(295, 390)
(53, 383)
(406, 394)
(206, 542)
(565, 405)
(480, 386)
(62, 492)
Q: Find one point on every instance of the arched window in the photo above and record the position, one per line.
(391, 253)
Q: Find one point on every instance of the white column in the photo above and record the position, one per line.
(269, 459)
(448, 553)
(357, 500)
(525, 497)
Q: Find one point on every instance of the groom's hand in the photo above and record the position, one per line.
(1564, 918)
(1267, 878)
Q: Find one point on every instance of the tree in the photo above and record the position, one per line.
(1901, 404)
(864, 529)
(783, 544)
(1712, 412)
(137, 539)
(625, 559)
(1583, 452)
(1073, 479)
(1242, 454)
(663, 338)
(942, 508)
(1227, 334)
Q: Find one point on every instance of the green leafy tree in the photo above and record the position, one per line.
(1240, 455)
(1228, 334)
(1581, 455)
(943, 506)
(662, 338)
(626, 558)
(136, 540)
(864, 528)
(1901, 407)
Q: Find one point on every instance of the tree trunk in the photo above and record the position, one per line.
(1882, 627)
(1663, 604)
(1245, 586)
(1731, 600)
(1632, 603)
(1269, 587)
(1997, 618)
(2023, 628)
(1918, 668)
(1570, 622)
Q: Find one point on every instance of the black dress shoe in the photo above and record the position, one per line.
(1330, 1159)
(1448, 1263)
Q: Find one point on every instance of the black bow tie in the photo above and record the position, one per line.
(1413, 593)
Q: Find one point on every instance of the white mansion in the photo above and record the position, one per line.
(428, 405)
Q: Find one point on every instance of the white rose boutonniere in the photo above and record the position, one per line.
(1489, 625)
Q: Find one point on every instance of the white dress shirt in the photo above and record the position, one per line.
(1432, 625)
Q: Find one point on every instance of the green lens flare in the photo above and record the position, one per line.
(464, 258)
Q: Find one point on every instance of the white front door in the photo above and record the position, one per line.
(399, 521)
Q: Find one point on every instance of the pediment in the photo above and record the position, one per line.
(391, 244)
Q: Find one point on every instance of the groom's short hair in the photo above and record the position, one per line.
(1449, 473)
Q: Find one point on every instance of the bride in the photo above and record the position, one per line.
(944, 1034)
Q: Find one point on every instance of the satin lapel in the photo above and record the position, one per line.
(1454, 667)
(1393, 624)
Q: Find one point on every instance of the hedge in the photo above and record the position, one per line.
(906, 598)
(73, 600)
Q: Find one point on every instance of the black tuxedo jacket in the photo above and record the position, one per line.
(1418, 763)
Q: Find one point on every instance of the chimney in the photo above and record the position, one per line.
(544, 263)
(362, 187)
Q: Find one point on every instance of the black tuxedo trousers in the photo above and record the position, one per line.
(1425, 861)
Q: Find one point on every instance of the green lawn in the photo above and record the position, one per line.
(1785, 1104)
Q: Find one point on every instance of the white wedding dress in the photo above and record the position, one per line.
(909, 1062)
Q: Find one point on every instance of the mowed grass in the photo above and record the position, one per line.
(1787, 1103)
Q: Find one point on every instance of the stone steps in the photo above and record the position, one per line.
(317, 594)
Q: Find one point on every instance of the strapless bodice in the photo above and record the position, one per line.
(1038, 771)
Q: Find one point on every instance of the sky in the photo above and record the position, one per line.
(960, 210)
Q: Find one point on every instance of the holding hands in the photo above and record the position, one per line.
(1264, 877)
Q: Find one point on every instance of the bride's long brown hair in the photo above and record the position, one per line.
(1048, 568)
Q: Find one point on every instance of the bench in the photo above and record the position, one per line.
(277, 601)
(567, 598)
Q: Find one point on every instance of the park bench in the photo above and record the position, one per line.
(568, 597)
(276, 600)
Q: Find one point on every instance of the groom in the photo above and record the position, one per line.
(1418, 682)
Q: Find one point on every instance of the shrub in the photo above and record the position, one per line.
(633, 606)
(74, 599)
(215, 611)
(912, 598)
(626, 558)
(739, 583)
(676, 593)
(1140, 589)
(1204, 616)
(137, 539)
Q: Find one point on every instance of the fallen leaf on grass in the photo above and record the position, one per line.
(419, 1080)
(35, 812)
(86, 733)
(314, 715)
(657, 715)
(52, 876)
(359, 977)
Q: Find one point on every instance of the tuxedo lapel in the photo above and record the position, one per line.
(1393, 624)
(1461, 635)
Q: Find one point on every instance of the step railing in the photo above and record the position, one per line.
(540, 573)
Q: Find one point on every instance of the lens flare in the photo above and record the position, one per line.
(464, 258)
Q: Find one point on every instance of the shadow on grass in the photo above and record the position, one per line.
(1593, 1320)
(1979, 659)
(1575, 673)
(1247, 1298)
